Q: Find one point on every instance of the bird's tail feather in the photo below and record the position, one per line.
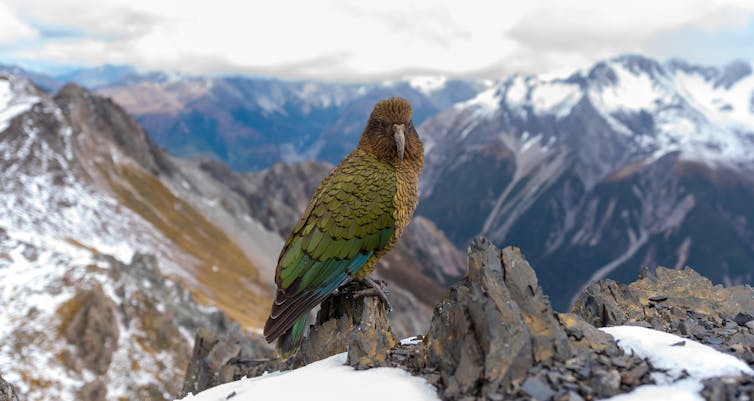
(288, 342)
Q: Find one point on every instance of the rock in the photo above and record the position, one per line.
(609, 383)
(345, 320)
(93, 391)
(7, 391)
(574, 396)
(691, 306)
(633, 376)
(492, 326)
(586, 337)
(218, 359)
(90, 324)
(743, 318)
(370, 342)
(344, 323)
(729, 388)
(685, 293)
(548, 338)
(537, 389)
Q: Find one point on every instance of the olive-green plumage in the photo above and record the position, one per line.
(356, 216)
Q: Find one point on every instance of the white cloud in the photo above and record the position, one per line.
(11, 28)
(340, 39)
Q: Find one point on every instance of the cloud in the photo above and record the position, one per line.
(13, 29)
(354, 40)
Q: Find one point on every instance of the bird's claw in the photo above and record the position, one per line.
(376, 288)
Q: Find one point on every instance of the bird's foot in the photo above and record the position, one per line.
(376, 288)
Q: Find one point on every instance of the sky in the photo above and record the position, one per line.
(339, 40)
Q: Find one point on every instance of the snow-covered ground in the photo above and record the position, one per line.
(328, 379)
(685, 363)
(55, 229)
(682, 364)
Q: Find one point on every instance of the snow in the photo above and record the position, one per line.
(681, 368)
(327, 379)
(683, 390)
(415, 340)
(555, 98)
(685, 112)
(517, 91)
(13, 101)
(485, 104)
(543, 96)
(631, 92)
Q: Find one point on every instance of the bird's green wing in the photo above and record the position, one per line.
(348, 220)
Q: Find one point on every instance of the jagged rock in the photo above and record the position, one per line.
(548, 338)
(495, 337)
(218, 359)
(358, 325)
(675, 301)
(7, 392)
(493, 326)
(345, 323)
(585, 337)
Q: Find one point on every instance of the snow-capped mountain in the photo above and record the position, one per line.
(627, 163)
(80, 206)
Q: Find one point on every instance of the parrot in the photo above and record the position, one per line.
(356, 215)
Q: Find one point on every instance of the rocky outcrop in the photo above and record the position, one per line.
(485, 335)
(676, 301)
(494, 336)
(7, 392)
(345, 323)
(89, 322)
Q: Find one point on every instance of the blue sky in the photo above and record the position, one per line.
(358, 40)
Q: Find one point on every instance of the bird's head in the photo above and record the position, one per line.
(390, 134)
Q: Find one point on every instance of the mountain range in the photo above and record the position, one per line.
(251, 124)
(628, 163)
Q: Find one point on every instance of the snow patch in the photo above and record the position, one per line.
(631, 92)
(683, 363)
(324, 380)
(485, 104)
(12, 102)
(555, 98)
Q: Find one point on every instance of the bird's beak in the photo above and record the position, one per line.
(400, 139)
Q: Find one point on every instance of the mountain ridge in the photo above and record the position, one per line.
(603, 170)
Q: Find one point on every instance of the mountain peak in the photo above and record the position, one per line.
(91, 114)
(733, 73)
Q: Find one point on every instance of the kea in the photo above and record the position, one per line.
(355, 217)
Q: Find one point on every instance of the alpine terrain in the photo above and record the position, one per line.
(112, 253)
(628, 163)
